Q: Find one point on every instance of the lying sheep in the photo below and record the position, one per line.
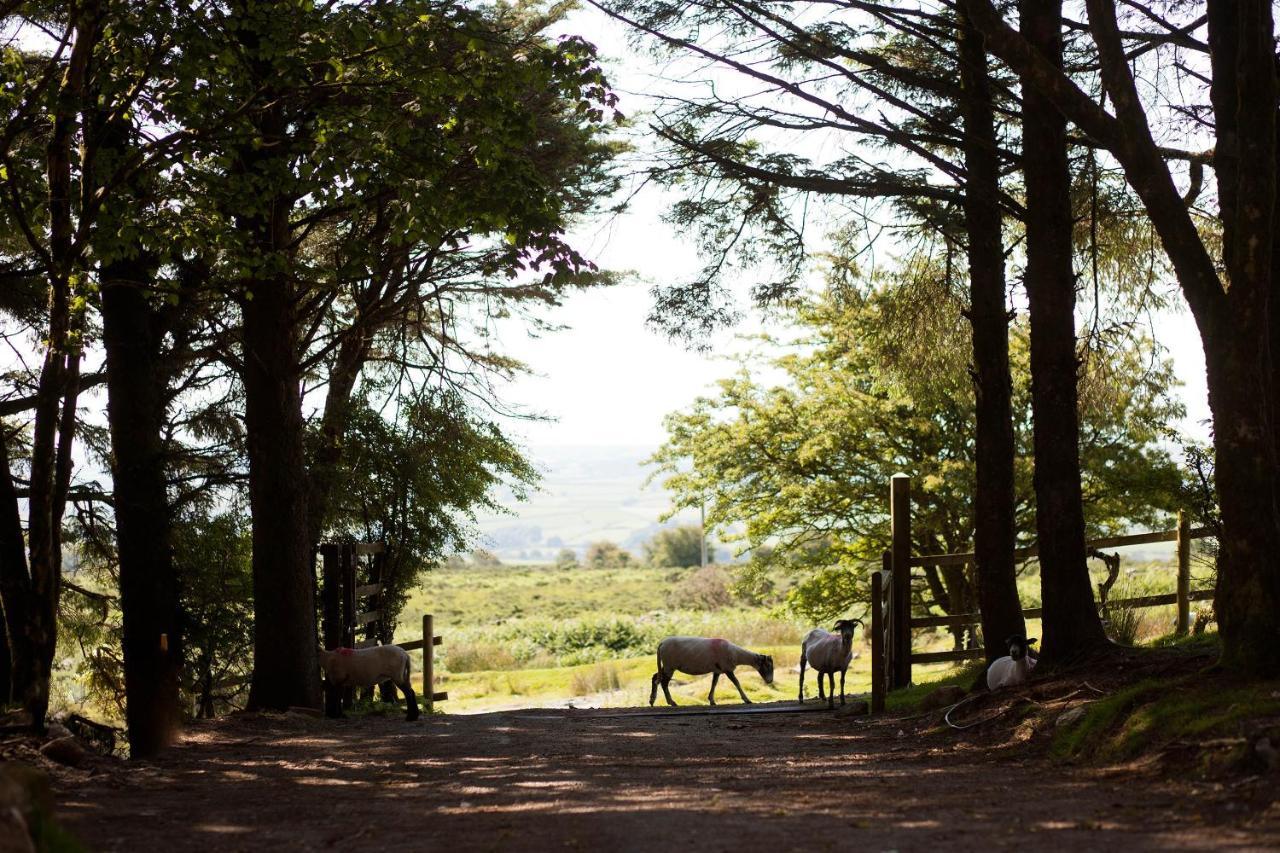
(349, 668)
(828, 654)
(698, 656)
(1015, 667)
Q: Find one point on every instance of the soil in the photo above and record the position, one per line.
(599, 780)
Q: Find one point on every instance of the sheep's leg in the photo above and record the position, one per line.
(653, 688)
(412, 700)
(666, 680)
(741, 692)
(821, 686)
(842, 672)
(831, 691)
(715, 679)
(802, 663)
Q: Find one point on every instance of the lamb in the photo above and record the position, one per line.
(344, 668)
(1015, 667)
(700, 655)
(828, 654)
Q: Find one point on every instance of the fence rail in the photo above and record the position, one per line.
(891, 621)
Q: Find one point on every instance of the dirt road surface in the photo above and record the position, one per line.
(586, 780)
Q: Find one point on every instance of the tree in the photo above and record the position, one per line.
(803, 466)
(675, 547)
(1233, 311)
(1072, 627)
(566, 558)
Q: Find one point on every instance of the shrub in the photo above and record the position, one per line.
(596, 679)
(704, 589)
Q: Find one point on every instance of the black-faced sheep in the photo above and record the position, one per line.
(1015, 667)
(700, 655)
(827, 654)
(344, 668)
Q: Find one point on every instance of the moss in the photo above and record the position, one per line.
(909, 698)
(1159, 711)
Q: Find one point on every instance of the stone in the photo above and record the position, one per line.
(65, 750)
(942, 697)
(853, 709)
(24, 793)
(1070, 717)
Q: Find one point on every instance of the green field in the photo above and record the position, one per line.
(530, 636)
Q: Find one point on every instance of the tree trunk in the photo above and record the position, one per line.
(15, 586)
(286, 668)
(149, 598)
(995, 531)
(323, 470)
(1071, 623)
(1238, 347)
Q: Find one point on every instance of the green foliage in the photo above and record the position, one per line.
(803, 465)
(606, 555)
(566, 558)
(415, 479)
(675, 547)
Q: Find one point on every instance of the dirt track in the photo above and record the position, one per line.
(533, 780)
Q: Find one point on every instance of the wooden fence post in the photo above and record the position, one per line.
(1184, 574)
(900, 589)
(877, 640)
(428, 662)
(332, 603)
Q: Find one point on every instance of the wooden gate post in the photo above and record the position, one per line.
(1184, 574)
(428, 662)
(348, 570)
(900, 527)
(877, 640)
(332, 602)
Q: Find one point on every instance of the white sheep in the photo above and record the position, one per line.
(349, 668)
(827, 654)
(700, 655)
(1015, 667)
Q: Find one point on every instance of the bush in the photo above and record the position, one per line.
(704, 589)
(607, 555)
(601, 677)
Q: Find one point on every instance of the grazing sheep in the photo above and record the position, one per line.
(698, 656)
(1015, 667)
(345, 668)
(828, 654)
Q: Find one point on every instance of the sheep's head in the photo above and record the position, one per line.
(846, 627)
(1019, 645)
(765, 667)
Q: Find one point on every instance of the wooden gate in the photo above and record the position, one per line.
(351, 601)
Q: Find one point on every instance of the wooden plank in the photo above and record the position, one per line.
(368, 616)
(440, 696)
(368, 590)
(960, 620)
(414, 645)
(428, 662)
(945, 657)
(966, 557)
(1183, 625)
(365, 549)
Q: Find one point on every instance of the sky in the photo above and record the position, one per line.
(609, 379)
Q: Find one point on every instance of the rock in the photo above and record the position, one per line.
(853, 709)
(1070, 717)
(65, 750)
(942, 697)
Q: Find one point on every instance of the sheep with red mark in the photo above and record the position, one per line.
(702, 655)
(351, 668)
(828, 653)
